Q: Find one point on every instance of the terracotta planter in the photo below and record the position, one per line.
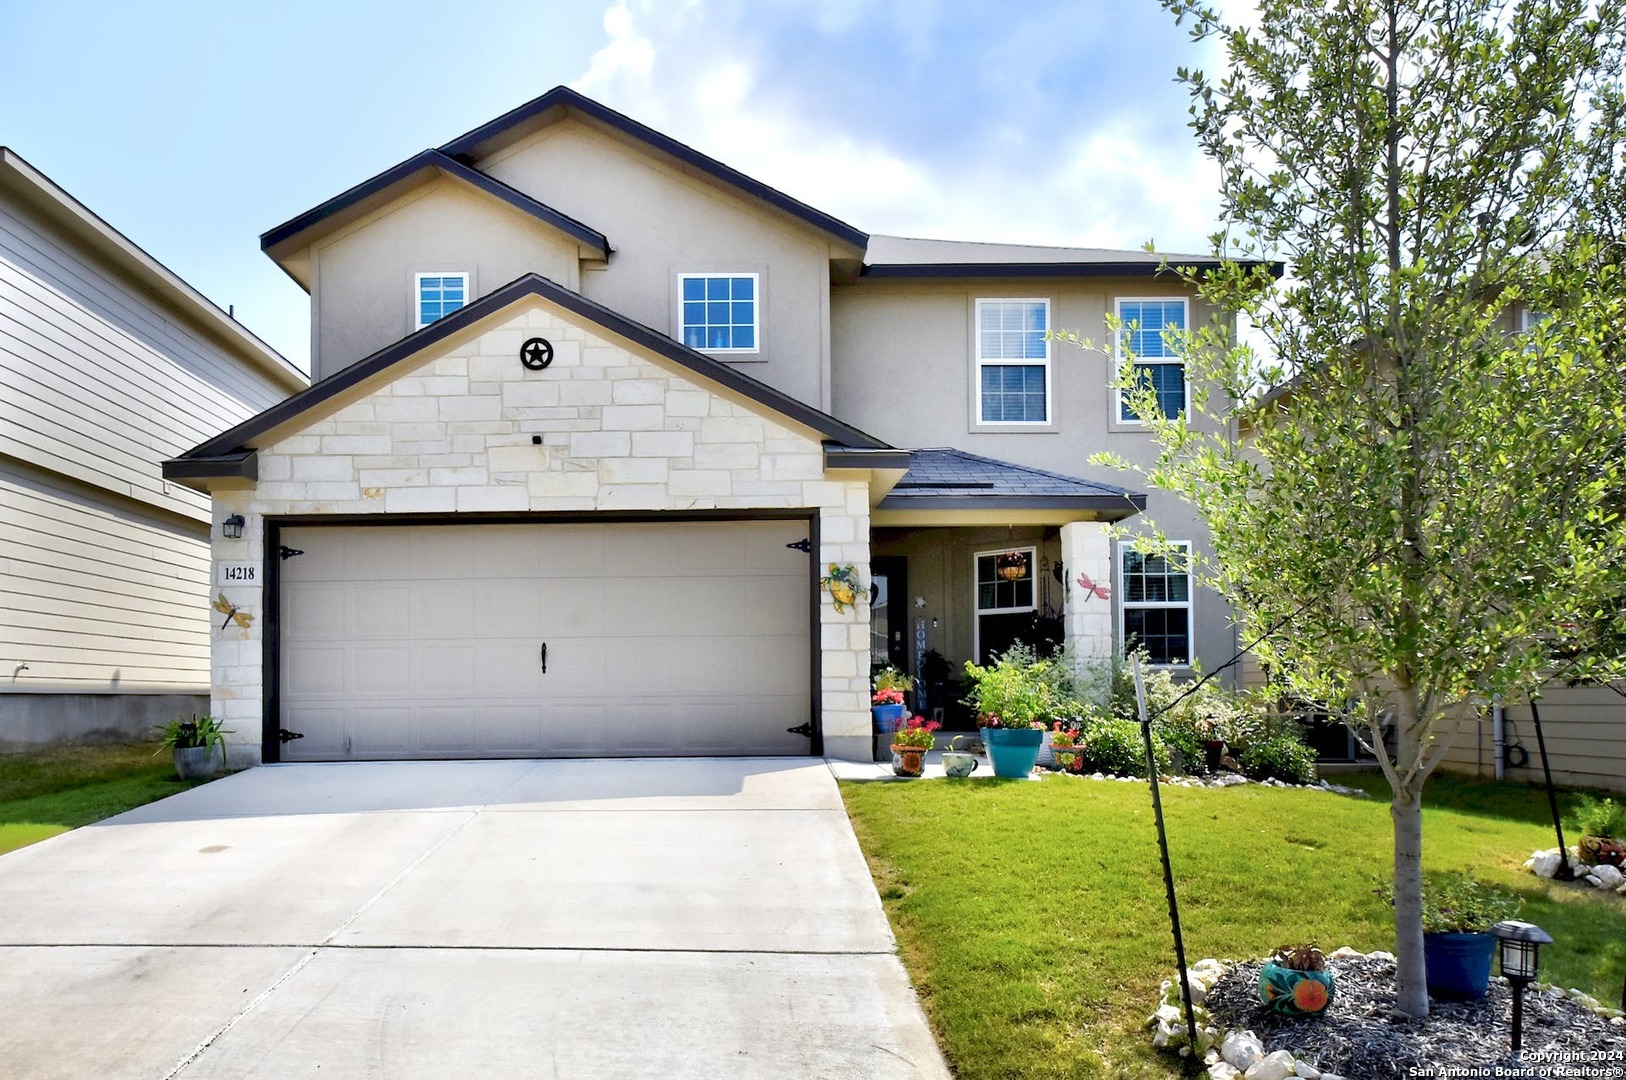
(908, 760)
(1601, 851)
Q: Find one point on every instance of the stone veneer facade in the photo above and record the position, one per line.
(451, 432)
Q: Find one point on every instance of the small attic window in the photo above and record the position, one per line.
(438, 295)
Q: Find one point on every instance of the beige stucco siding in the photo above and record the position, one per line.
(620, 430)
(362, 295)
(662, 223)
(904, 369)
(98, 594)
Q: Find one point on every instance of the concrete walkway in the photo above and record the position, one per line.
(689, 918)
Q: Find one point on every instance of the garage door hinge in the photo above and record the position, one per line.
(289, 736)
(804, 546)
(802, 729)
(287, 552)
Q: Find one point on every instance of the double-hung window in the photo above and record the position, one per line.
(720, 312)
(1013, 361)
(438, 295)
(1157, 604)
(1145, 339)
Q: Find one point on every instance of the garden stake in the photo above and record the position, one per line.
(1193, 1060)
(1563, 873)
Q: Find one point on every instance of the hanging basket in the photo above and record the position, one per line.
(1012, 566)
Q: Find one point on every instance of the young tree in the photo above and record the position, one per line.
(1428, 499)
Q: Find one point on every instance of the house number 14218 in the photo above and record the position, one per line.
(239, 573)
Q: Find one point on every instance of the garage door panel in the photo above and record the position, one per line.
(670, 638)
(316, 611)
(379, 670)
(442, 609)
(380, 611)
(318, 672)
(508, 608)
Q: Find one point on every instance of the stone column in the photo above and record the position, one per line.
(1086, 551)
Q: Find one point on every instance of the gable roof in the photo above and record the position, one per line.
(224, 452)
(538, 112)
(949, 479)
(296, 233)
(42, 194)
(911, 257)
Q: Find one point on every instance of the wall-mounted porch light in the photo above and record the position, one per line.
(232, 527)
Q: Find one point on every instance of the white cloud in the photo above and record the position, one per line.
(1097, 167)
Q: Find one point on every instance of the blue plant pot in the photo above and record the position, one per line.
(1459, 965)
(1012, 751)
(886, 718)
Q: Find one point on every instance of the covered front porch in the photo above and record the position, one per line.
(970, 556)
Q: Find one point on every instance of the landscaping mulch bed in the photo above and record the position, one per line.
(1361, 1039)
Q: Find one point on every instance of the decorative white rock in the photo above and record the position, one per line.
(1305, 1071)
(1543, 863)
(1221, 1070)
(1277, 1065)
(1609, 877)
(1242, 1049)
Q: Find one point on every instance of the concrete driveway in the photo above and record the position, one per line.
(705, 918)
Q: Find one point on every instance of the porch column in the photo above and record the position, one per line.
(1086, 551)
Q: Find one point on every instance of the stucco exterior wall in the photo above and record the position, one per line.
(362, 281)
(663, 223)
(903, 364)
(621, 431)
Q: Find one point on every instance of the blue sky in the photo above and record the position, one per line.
(194, 127)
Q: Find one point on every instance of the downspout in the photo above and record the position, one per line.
(1498, 737)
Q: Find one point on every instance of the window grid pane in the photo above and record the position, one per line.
(994, 593)
(719, 312)
(1013, 393)
(1144, 323)
(439, 296)
(1157, 606)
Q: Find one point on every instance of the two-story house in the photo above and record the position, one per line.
(109, 364)
(594, 415)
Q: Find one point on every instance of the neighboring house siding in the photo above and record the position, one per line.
(1585, 729)
(104, 570)
(452, 434)
(663, 223)
(99, 592)
(362, 279)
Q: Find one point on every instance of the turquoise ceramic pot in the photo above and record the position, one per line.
(1013, 751)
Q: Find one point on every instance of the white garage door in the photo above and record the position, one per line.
(416, 641)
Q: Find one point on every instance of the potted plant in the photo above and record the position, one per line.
(886, 703)
(1458, 912)
(1295, 981)
(1602, 825)
(958, 763)
(911, 738)
(1064, 740)
(1010, 696)
(193, 745)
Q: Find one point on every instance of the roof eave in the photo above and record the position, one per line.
(1108, 507)
(1046, 269)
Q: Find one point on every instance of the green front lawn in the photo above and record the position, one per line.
(45, 792)
(1032, 916)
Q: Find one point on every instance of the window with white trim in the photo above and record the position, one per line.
(1143, 337)
(1157, 604)
(1013, 361)
(437, 295)
(720, 312)
(1000, 589)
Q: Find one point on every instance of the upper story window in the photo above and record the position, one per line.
(1013, 362)
(1157, 604)
(720, 312)
(1158, 364)
(438, 295)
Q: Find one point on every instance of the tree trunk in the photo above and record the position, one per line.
(1411, 977)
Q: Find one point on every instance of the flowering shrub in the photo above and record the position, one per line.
(890, 686)
(887, 697)
(915, 731)
(1116, 747)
